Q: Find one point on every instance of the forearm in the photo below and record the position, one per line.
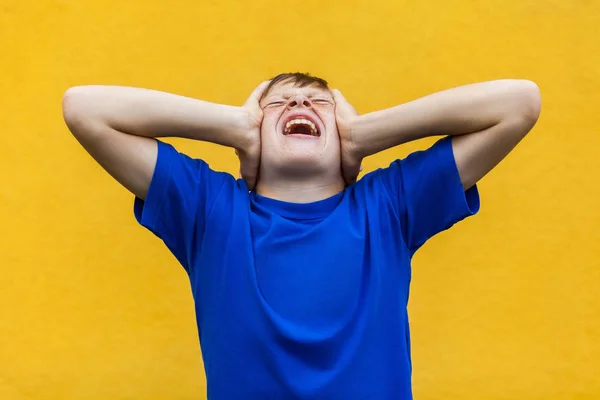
(150, 113)
(458, 111)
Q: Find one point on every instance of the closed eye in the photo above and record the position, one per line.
(322, 101)
(275, 103)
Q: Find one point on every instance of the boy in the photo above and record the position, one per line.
(300, 274)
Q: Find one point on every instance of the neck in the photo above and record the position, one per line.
(300, 190)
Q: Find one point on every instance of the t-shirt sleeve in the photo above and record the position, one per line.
(428, 193)
(181, 193)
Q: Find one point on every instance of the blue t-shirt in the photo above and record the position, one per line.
(304, 301)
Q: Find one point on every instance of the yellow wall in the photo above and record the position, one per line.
(92, 306)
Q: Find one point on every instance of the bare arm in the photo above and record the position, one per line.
(489, 119)
(115, 125)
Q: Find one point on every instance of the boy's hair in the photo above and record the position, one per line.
(299, 79)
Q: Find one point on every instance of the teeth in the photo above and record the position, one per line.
(301, 121)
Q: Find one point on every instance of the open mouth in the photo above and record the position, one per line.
(301, 126)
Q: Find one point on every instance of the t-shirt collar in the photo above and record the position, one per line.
(317, 209)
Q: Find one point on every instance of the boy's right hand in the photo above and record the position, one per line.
(249, 150)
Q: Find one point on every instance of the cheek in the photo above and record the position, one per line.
(333, 133)
(269, 120)
(327, 115)
(328, 118)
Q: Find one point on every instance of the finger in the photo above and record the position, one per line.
(350, 175)
(251, 184)
(256, 94)
(249, 178)
(338, 97)
(250, 181)
(350, 180)
(336, 94)
(342, 106)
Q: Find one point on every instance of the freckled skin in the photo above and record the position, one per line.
(292, 155)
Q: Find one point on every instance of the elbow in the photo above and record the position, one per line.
(527, 104)
(71, 108)
(72, 104)
(77, 109)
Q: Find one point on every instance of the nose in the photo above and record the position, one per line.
(299, 100)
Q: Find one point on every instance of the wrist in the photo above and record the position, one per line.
(355, 138)
(224, 125)
(244, 131)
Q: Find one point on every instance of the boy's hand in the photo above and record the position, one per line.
(345, 116)
(249, 151)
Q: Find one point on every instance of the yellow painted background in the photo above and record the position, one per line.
(92, 306)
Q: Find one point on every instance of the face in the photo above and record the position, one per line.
(299, 132)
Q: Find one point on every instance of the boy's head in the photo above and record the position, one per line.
(299, 135)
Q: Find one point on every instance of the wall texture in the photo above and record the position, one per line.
(504, 306)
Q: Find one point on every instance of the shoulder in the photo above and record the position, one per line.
(183, 166)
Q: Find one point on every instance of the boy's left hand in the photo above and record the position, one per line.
(345, 116)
